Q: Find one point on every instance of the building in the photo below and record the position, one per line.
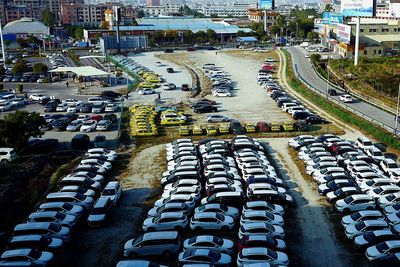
(164, 10)
(12, 13)
(255, 14)
(108, 44)
(382, 10)
(148, 26)
(153, 2)
(234, 10)
(26, 27)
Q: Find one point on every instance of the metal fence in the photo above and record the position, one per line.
(341, 104)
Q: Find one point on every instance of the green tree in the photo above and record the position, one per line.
(39, 68)
(104, 25)
(22, 42)
(134, 23)
(19, 67)
(16, 128)
(48, 18)
(211, 35)
(78, 33)
(328, 8)
(188, 37)
(312, 35)
(186, 11)
(201, 36)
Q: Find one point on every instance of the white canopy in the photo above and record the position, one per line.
(82, 71)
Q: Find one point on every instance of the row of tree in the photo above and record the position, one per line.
(186, 37)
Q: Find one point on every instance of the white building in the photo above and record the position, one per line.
(234, 10)
(155, 11)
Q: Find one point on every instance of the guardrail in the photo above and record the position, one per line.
(380, 105)
(339, 103)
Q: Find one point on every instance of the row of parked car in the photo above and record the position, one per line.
(285, 101)
(9, 101)
(358, 179)
(84, 123)
(143, 120)
(82, 195)
(221, 83)
(208, 188)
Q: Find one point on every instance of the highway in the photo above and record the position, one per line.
(304, 68)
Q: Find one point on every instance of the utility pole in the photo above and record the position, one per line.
(357, 42)
(3, 50)
(117, 17)
(397, 112)
(327, 81)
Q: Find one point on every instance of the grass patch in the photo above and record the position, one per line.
(338, 112)
(62, 171)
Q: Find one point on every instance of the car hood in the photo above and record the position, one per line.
(96, 218)
(56, 243)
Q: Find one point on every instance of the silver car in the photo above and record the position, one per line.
(99, 212)
(211, 221)
(113, 191)
(39, 258)
(63, 207)
(166, 221)
(154, 243)
(74, 126)
(44, 228)
(53, 216)
(71, 197)
(210, 242)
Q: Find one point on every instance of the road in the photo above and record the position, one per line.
(306, 72)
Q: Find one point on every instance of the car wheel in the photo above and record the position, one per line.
(224, 228)
(151, 229)
(4, 161)
(167, 254)
(177, 228)
(369, 208)
(198, 229)
(133, 255)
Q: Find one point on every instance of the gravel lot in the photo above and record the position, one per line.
(180, 76)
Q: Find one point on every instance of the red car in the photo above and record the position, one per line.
(96, 118)
(263, 126)
(268, 67)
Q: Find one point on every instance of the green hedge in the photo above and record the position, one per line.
(344, 115)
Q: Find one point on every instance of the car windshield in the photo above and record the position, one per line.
(67, 206)
(348, 199)
(355, 216)
(360, 226)
(34, 254)
(54, 227)
(137, 241)
(390, 197)
(392, 165)
(377, 154)
(369, 236)
(382, 247)
(272, 254)
(60, 216)
(108, 192)
(218, 241)
(378, 190)
(219, 217)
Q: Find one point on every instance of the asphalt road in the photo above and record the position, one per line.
(306, 71)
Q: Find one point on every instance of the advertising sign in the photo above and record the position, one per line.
(357, 8)
(267, 4)
(332, 18)
(343, 33)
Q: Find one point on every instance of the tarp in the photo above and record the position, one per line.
(246, 39)
(82, 71)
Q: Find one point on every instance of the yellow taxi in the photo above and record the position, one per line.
(184, 130)
(224, 128)
(287, 126)
(147, 85)
(211, 130)
(250, 128)
(197, 129)
(172, 121)
(153, 79)
(275, 126)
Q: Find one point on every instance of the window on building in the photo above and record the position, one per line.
(395, 29)
(379, 51)
(385, 30)
(372, 30)
(361, 30)
(374, 52)
(365, 52)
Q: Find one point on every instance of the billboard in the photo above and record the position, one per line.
(358, 8)
(267, 4)
(343, 33)
(332, 18)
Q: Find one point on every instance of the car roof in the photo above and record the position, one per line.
(101, 202)
(161, 235)
(16, 252)
(17, 238)
(205, 215)
(111, 185)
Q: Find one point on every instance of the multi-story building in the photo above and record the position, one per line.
(164, 10)
(234, 10)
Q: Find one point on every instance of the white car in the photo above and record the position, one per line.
(88, 126)
(159, 64)
(74, 126)
(193, 190)
(383, 249)
(5, 106)
(37, 97)
(146, 91)
(362, 215)
(263, 206)
(221, 93)
(264, 186)
(375, 153)
(346, 98)
(389, 199)
(181, 183)
(261, 216)
(216, 118)
(187, 199)
(219, 208)
(294, 142)
(209, 242)
(104, 164)
(261, 228)
(103, 125)
(73, 108)
(389, 166)
(261, 255)
(355, 203)
(83, 118)
(111, 108)
(211, 221)
(383, 190)
(62, 107)
(110, 154)
(17, 102)
(32, 256)
(166, 221)
(72, 101)
(359, 228)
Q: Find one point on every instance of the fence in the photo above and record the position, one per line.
(342, 105)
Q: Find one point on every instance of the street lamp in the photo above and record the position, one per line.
(327, 81)
(396, 124)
